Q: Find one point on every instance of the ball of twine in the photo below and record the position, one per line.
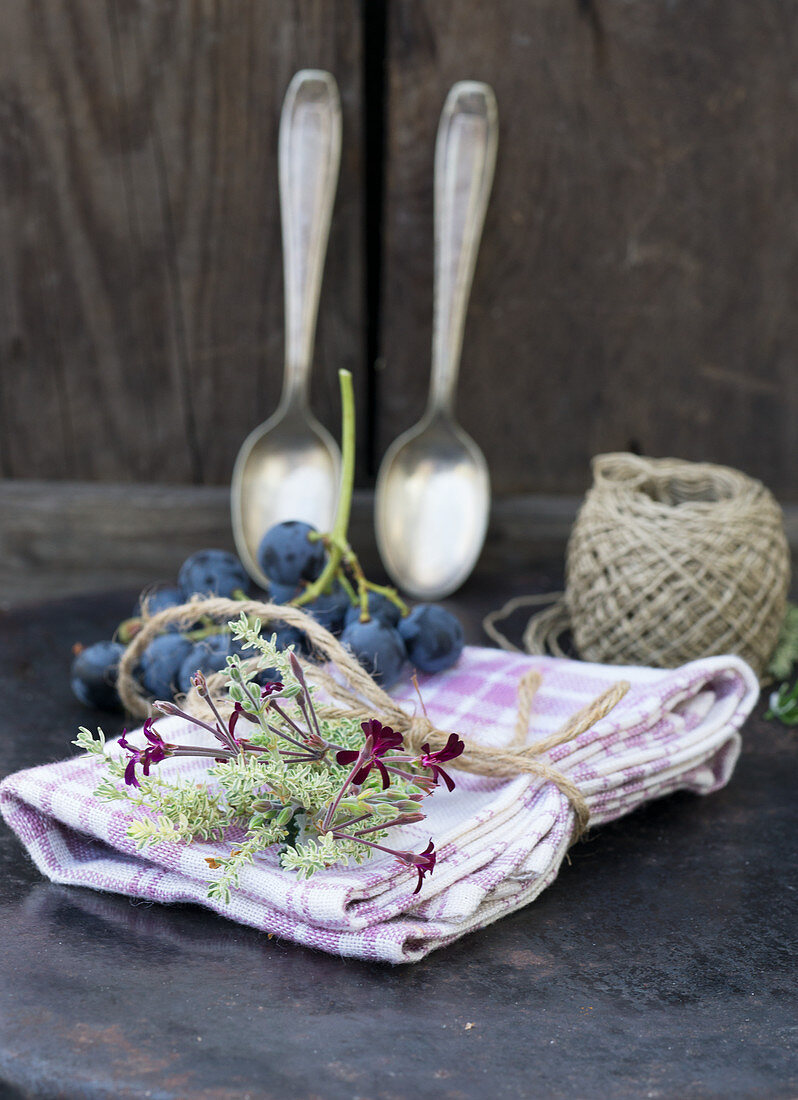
(669, 561)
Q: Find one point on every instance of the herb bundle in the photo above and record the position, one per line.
(285, 771)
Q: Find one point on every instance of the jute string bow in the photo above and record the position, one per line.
(353, 693)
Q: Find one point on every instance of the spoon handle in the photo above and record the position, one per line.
(309, 157)
(465, 156)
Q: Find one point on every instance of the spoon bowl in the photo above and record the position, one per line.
(287, 468)
(433, 489)
(290, 466)
(434, 499)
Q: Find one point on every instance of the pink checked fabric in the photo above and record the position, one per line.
(499, 842)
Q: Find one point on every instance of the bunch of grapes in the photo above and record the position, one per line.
(371, 620)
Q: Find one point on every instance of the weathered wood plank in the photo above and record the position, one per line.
(636, 282)
(63, 538)
(59, 538)
(141, 288)
(69, 537)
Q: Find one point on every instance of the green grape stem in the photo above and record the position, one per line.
(339, 550)
(347, 587)
(365, 586)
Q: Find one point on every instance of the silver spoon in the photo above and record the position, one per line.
(433, 490)
(290, 467)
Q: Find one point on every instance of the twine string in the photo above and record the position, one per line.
(543, 630)
(353, 693)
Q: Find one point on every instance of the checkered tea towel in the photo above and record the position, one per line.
(500, 842)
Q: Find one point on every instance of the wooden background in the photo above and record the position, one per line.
(638, 281)
(636, 287)
(141, 298)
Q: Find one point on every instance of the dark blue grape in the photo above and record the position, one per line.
(93, 675)
(208, 656)
(287, 556)
(161, 661)
(330, 608)
(378, 647)
(380, 607)
(266, 676)
(212, 572)
(433, 637)
(283, 593)
(235, 647)
(286, 636)
(158, 599)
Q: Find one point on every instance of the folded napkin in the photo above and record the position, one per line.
(500, 842)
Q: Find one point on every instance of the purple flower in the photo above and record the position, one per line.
(433, 760)
(383, 739)
(158, 749)
(241, 713)
(135, 757)
(271, 688)
(154, 753)
(232, 721)
(424, 863)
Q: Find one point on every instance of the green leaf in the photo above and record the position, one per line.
(784, 705)
(786, 653)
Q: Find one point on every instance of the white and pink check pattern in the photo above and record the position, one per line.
(499, 842)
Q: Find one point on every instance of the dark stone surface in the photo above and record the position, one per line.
(661, 963)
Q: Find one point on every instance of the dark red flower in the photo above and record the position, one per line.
(135, 757)
(271, 688)
(383, 739)
(239, 712)
(433, 760)
(424, 863)
(154, 753)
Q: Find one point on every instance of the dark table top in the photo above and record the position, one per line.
(661, 963)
